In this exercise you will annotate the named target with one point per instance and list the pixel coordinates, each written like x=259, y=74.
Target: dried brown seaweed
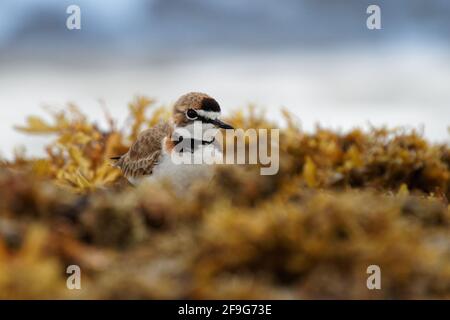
x=340, y=202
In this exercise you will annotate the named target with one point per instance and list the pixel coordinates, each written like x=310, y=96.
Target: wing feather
x=145, y=152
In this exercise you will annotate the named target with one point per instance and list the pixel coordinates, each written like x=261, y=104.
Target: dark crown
x=210, y=104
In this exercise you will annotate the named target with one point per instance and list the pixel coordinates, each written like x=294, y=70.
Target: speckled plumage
x=144, y=153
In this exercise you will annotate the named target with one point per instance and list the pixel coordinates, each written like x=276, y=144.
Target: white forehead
x=208, y=114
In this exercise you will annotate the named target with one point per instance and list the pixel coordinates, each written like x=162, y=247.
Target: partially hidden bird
x=181, y=150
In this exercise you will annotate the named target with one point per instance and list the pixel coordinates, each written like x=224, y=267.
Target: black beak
x=221, y=124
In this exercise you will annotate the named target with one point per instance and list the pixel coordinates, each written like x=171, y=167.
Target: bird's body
x=181, y=150
x=183, y=175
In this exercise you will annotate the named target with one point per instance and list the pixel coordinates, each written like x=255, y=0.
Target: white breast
x=183, y=175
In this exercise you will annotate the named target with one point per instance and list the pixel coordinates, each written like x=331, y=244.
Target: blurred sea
x=315, y=58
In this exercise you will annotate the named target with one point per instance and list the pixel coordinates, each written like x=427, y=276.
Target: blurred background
x=316, y=58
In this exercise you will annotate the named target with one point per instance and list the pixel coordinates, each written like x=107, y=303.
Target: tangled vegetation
x=340, y=202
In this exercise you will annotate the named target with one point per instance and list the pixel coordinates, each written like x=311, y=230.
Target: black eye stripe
x=191, y=114
x=203, y=119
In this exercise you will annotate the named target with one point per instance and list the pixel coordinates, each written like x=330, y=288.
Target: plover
x=190, y=134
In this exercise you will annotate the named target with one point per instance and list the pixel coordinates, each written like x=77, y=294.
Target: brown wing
x=144, y=153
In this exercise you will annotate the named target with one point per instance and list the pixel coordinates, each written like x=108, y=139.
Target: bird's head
x=198, y=108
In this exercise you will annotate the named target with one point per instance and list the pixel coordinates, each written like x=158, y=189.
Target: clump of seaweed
x=340, y=202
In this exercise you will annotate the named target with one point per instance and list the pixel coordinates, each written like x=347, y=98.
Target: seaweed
x=341, y=201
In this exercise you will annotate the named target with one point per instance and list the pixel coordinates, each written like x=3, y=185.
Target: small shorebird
x=153, y=154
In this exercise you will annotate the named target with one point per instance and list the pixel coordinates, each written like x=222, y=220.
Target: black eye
x=191, y=114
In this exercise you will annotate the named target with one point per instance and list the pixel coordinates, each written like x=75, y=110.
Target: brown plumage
x=192, y=100
x=144, y=153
